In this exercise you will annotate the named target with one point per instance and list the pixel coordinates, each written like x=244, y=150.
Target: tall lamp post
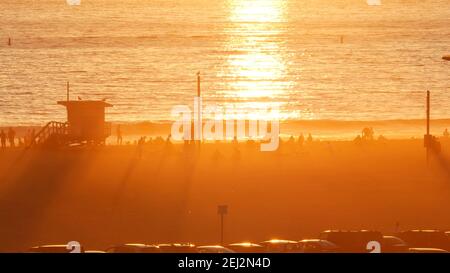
x=431, y=142
x=222, y=210
x=198, y=116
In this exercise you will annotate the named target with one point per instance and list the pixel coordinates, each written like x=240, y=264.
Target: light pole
x=198, y=109
x=428, y=137
x=222, y=210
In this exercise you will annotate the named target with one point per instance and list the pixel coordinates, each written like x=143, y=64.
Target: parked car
x=246, y=247
x=393, y=244
x=133, y=248
x=427, y=250
x=280, y=246
x=316, y=246
x=213, y=249
x=425, y=239
x=352, y=241
x=52, y=249
x=177, y=248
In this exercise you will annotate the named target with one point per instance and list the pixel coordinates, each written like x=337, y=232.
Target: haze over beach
x=87, y=147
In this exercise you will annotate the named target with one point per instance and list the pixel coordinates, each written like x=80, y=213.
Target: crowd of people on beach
x=367, y=136
x=9, y=138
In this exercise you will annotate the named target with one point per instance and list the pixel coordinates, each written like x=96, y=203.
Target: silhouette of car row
x=330, y=241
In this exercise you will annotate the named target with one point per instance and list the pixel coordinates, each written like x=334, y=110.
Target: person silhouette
x=140, y=146
x=301, y=140
x=291, y=140
x=119, y=135
x=381, y=138
x=168, y=144
x=367, y=133
x=371, y=133
x=11, y=137
x=446, y=133
x=310, y=138
x=235, y=143
x=3, y=139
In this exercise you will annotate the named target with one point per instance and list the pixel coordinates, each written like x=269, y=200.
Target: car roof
x=279, y=241
x=177, y=245
x=428, y=249
x=422, y=230
x=135, y=245
x=318, y=241
x=51, y=246
x=349, y=231
x=213, y=247
x=245, y=244
x=312, y=240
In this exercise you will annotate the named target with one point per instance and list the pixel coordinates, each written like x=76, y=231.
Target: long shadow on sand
x=30, y=185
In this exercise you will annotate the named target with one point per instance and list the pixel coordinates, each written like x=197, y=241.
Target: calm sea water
x=143, y=55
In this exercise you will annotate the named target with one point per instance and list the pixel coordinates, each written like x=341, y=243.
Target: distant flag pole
x=428, y=112
x=68, y=90
x=199, y=109
x=222, y=210
x=198, y=84
x=431, y=142
x=428, y=137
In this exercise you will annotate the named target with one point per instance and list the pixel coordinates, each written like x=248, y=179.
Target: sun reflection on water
x=258, y=67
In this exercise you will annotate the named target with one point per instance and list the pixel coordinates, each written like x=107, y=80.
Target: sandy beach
x=102, y=196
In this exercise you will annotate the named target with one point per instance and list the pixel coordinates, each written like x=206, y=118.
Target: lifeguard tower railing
x=56, y=132
x=51, y=129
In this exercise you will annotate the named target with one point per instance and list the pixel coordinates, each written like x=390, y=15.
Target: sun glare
x=257, y=11
x=258, y=68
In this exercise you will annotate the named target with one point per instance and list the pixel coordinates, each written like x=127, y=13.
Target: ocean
x=340, y=60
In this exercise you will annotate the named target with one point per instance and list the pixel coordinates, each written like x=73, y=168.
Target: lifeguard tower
x=85, y=125
x=86, y=121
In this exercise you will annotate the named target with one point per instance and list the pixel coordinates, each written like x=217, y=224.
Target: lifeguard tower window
x=86, y=121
